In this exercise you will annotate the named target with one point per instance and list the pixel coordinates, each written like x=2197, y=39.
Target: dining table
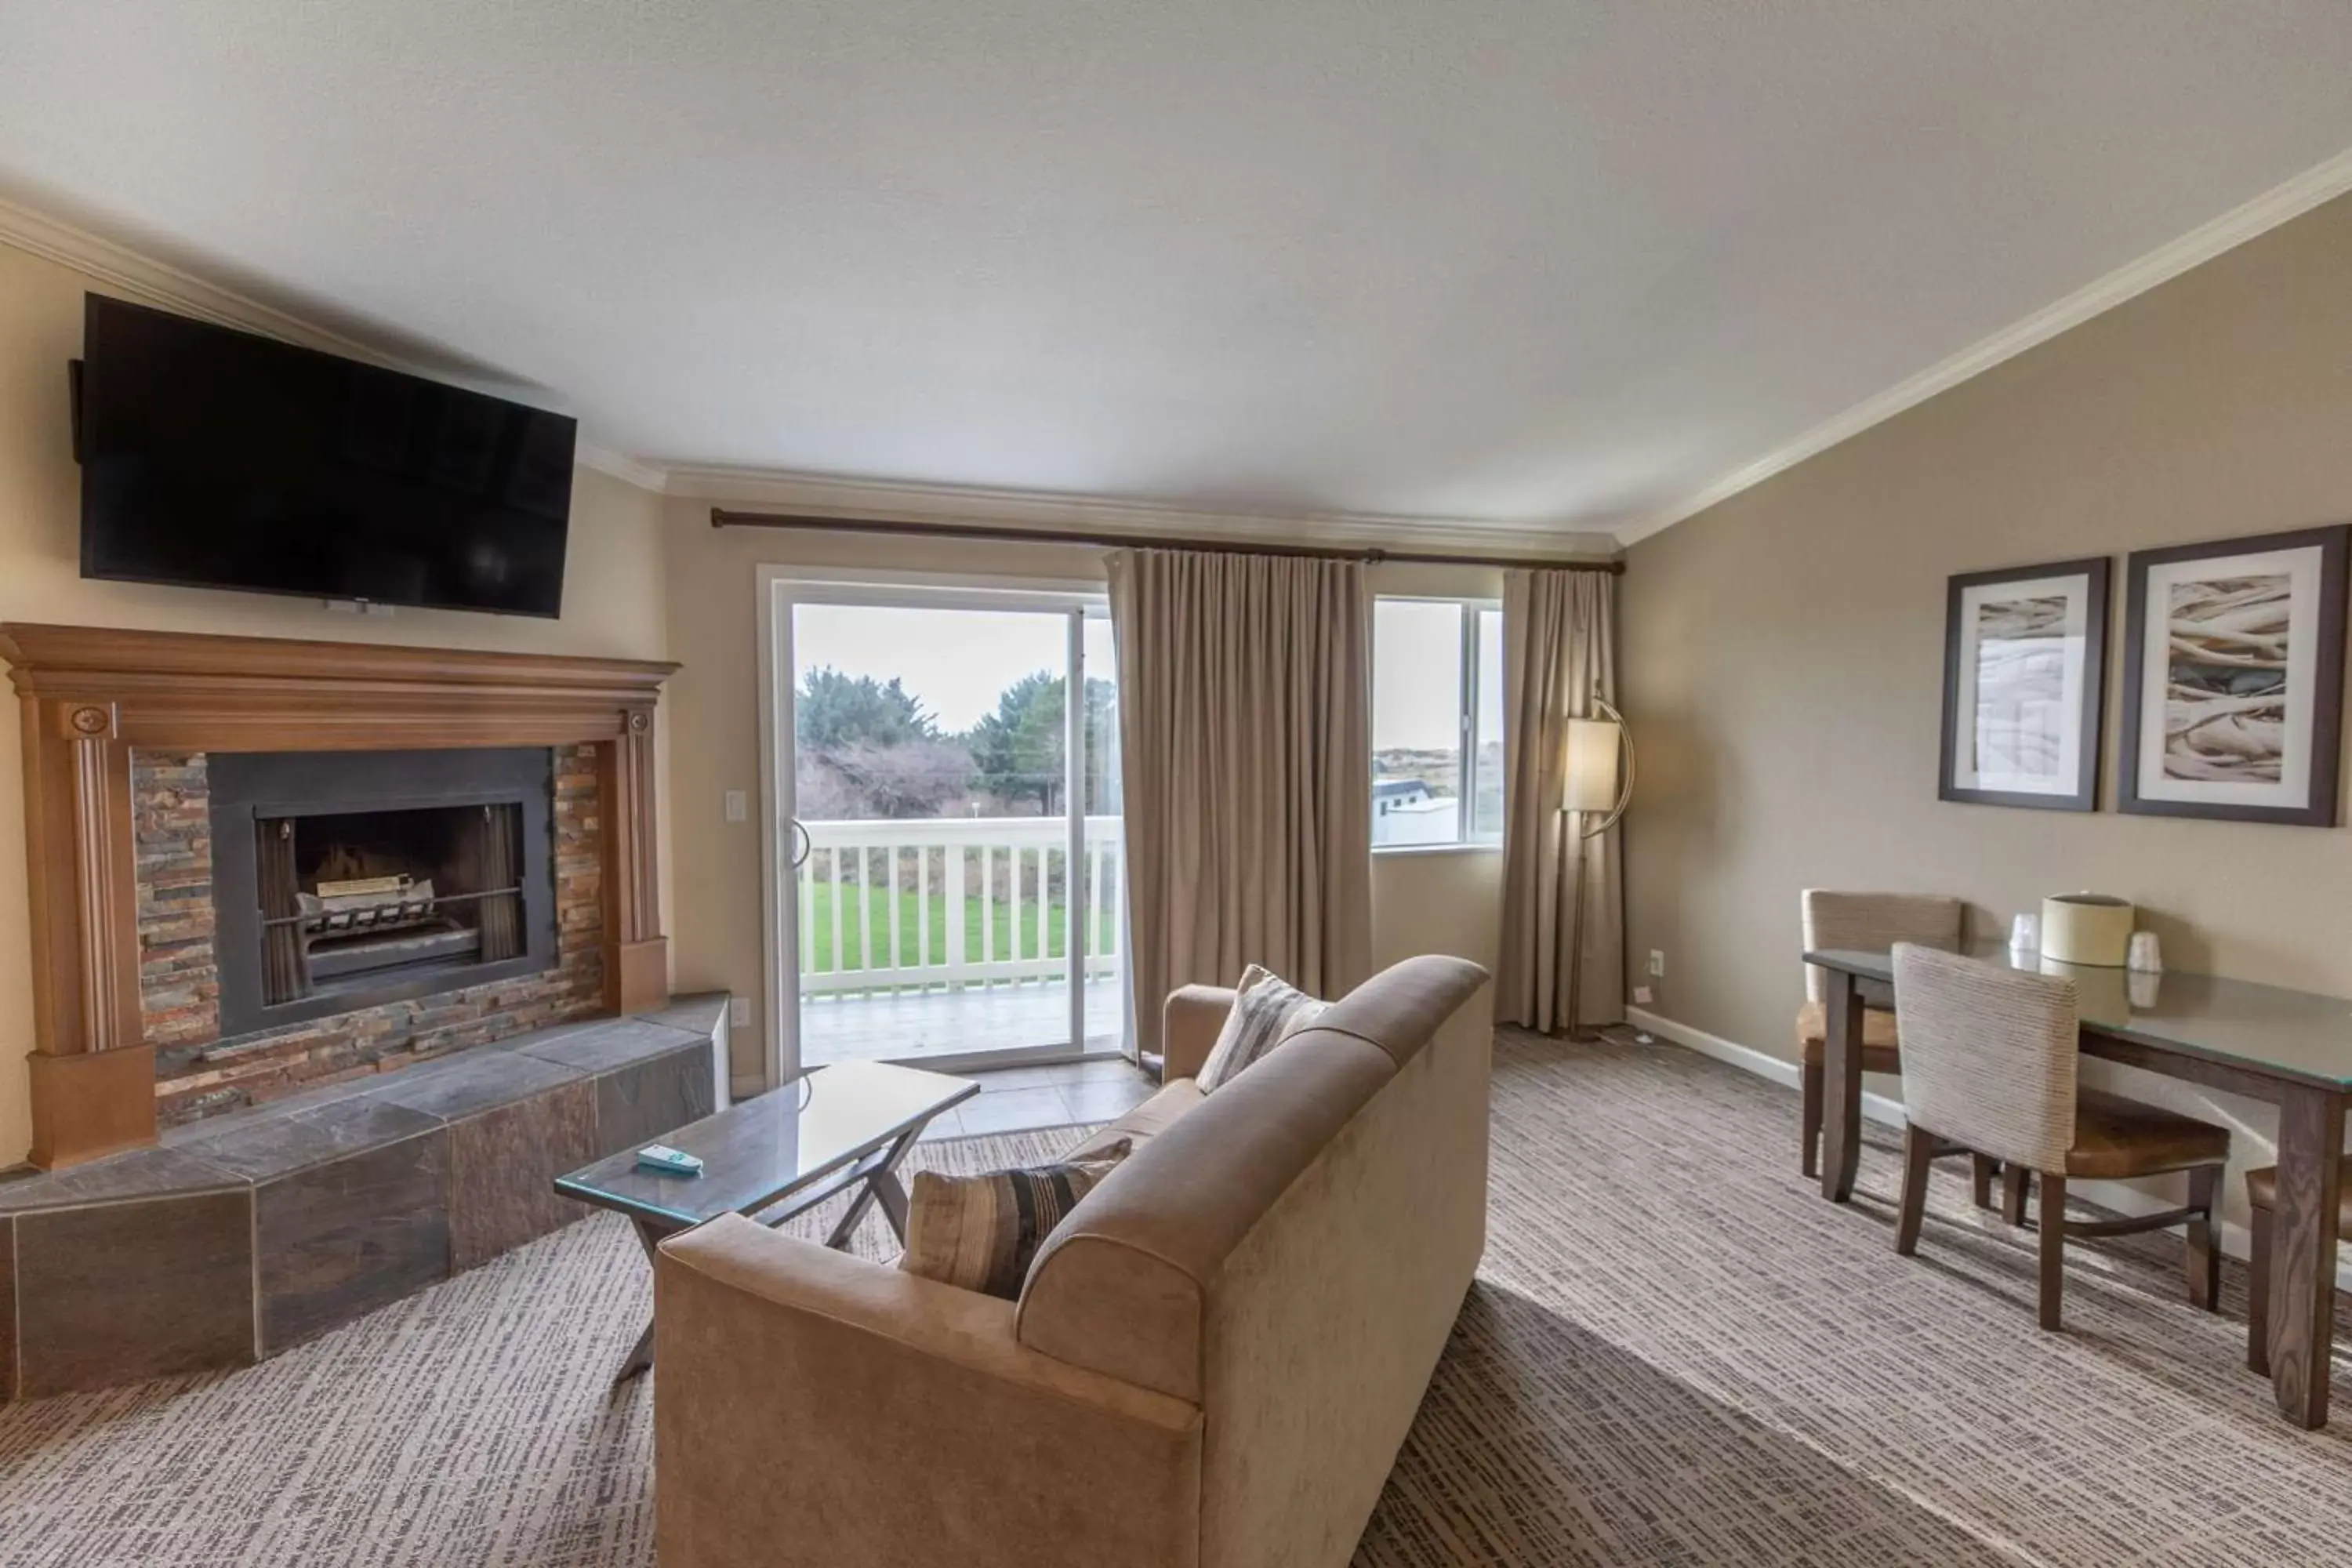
x=2291, y=1048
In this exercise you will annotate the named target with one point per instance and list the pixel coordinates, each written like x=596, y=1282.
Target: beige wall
x=1783, y=651
x=1445, y=902
x=611, y=594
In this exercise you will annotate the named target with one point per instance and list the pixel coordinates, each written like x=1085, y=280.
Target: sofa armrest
x=816, y=1408
x=1190, y=1022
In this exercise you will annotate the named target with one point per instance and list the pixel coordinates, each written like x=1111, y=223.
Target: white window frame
x=1464, y=841
x=779, y=589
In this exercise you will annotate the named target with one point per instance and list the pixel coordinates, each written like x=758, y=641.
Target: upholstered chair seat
x=2116, y=1139
x=1880, y=1050
x=2262, y=1191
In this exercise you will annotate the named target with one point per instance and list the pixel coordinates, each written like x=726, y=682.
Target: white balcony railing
x=888, y=906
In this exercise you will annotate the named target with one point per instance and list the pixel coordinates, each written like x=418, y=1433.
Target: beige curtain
x=1558, y=646
x=1245, y=753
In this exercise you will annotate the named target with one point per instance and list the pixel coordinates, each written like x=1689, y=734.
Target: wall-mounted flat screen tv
x=215, y=458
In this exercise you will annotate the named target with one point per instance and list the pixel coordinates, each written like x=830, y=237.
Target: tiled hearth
x=322, y=937
x=247, y=1233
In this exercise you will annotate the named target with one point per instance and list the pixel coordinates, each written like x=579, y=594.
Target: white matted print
x=2021, y=686
x=2237, y=655
x=2023, y=655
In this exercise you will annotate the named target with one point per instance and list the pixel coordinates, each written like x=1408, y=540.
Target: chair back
x=1875, y=923
x=1989, y=1055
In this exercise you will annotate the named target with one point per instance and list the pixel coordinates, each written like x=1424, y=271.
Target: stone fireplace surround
x=144, y=1252
x=198, y=961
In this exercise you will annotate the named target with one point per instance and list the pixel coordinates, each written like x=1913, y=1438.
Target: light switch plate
x=739, y=806
x=739, y=1013
x=1657, y=965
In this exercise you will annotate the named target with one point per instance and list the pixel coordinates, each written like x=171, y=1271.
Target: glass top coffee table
x=778, y=1157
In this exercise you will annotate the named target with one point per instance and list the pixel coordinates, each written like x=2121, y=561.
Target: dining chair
x=2261, y=1201
x=1989, y=1057
x=1867, y=922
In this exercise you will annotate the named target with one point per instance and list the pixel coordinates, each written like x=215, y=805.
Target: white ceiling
x=1530, y=262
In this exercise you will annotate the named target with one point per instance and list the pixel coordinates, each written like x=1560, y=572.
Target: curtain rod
x=720, y=517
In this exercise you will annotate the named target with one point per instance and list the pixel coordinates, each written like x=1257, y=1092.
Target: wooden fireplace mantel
x=89, y=695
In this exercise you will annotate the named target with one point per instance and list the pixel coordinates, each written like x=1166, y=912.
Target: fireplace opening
x=346, y=879
x=350, y=897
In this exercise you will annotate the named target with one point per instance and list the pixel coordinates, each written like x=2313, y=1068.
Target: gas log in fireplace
x=347, y=880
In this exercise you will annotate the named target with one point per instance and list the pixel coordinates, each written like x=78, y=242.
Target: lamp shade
x=1593, y=748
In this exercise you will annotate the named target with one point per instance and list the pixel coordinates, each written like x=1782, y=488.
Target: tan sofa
x=1212, y=1363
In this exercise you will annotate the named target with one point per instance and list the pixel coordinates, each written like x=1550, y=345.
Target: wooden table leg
x=2303, y=1252
x=1841, y=1070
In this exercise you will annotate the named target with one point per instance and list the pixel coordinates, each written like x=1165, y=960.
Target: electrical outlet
x=739, y=806
x=739, y=1013
x=1641, y=996
x=1657, y=965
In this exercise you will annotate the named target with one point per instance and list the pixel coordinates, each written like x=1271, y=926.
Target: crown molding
x=147, y=281
x=897, y=500
x=141, y=277
x=622, y=466
x=2280, y=204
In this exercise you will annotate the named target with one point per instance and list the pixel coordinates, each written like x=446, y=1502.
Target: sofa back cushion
x=1124, y=1286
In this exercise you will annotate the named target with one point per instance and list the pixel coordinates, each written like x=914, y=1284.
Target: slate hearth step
x=329, y=1203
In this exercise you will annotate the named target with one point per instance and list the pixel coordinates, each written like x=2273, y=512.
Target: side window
x=1437, y=723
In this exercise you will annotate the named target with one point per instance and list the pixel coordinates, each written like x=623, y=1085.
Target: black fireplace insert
x=347, y=880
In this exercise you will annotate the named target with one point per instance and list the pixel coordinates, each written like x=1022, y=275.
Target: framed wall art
x=2024, y=686
x=2233, y=688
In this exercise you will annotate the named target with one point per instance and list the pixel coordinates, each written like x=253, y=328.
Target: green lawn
x=877, y=940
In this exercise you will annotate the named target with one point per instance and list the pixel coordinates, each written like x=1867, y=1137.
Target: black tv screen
x=218, y=459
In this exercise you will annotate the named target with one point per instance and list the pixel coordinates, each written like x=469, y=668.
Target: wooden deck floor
x=954, y=1023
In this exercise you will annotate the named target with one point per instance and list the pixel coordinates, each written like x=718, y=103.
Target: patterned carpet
x=1676, y=1354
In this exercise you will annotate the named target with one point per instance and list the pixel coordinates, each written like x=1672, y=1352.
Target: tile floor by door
x=1020, y=1099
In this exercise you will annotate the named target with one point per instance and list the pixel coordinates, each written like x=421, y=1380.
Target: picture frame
x=2233, y=684
x=2025, y=652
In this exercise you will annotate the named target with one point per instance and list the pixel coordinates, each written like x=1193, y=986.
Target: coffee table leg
x=884, y=1186
x=839, y=1237
x=641, y=1358
x=892, y=1196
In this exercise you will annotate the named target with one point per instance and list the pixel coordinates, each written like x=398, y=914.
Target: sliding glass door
x=947, y=875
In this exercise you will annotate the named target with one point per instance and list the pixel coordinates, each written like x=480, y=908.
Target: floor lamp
x=1599, y=784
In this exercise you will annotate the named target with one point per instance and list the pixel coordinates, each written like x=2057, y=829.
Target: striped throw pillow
x=981, y=1232
x=1267, y=1010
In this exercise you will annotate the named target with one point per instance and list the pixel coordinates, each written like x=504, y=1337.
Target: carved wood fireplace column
x=88, y=696
x=637, y=953
x=93, y=1075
